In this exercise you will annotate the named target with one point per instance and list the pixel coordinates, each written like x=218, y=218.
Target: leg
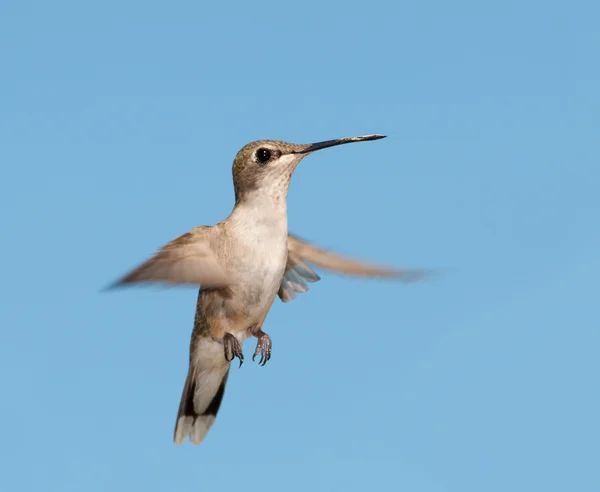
x=232, y=348
x=263, y=347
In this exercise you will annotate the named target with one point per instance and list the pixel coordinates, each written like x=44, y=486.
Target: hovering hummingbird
x=241, y=264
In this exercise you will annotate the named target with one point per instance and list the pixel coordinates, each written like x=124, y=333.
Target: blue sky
x=119, y=122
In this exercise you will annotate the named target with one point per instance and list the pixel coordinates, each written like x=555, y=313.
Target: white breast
x=260, y=234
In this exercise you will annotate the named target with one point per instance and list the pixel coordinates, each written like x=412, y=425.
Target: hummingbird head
x=265, y=167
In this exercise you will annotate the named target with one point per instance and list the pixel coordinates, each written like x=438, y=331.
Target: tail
x=200, y=402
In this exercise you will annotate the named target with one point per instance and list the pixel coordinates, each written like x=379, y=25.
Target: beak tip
x=374, y=136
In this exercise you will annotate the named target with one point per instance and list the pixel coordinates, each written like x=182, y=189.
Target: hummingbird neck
x=259, y=217
x=261, y=203
x=263, y=200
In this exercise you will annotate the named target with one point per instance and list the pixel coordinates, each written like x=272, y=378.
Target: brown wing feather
x=301, y=253
x=188, y=259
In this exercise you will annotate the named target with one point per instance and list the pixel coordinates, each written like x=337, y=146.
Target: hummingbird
x=241, y=265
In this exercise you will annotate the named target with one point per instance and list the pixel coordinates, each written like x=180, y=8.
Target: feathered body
x=242, y=264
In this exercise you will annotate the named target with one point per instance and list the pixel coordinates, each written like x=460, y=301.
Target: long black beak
x=339, y=141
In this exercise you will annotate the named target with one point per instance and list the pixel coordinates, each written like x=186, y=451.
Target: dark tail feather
x=194, y=419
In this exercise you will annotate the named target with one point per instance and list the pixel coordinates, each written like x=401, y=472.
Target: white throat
x=260, y=216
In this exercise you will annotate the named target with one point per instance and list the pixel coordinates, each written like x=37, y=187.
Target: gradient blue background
x=118, y=126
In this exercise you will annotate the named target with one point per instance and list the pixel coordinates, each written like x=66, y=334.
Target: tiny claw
x=263, y=347
x=232, y=349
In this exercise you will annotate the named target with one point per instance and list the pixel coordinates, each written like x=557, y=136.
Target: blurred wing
x=297, y=272
x=188, y=259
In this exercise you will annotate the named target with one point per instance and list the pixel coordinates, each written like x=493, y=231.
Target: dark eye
x=263, y=155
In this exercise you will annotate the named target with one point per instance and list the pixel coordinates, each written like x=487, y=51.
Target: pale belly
x=257, y=291
x=258, y=274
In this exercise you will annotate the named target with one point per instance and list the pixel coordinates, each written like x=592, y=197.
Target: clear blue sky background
x=119, y=122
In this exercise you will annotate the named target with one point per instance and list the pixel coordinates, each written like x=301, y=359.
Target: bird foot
x=263, y=347
x=232, y=348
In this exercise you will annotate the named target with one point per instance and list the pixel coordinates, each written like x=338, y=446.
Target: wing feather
x=188, y=259
x=301, y=253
